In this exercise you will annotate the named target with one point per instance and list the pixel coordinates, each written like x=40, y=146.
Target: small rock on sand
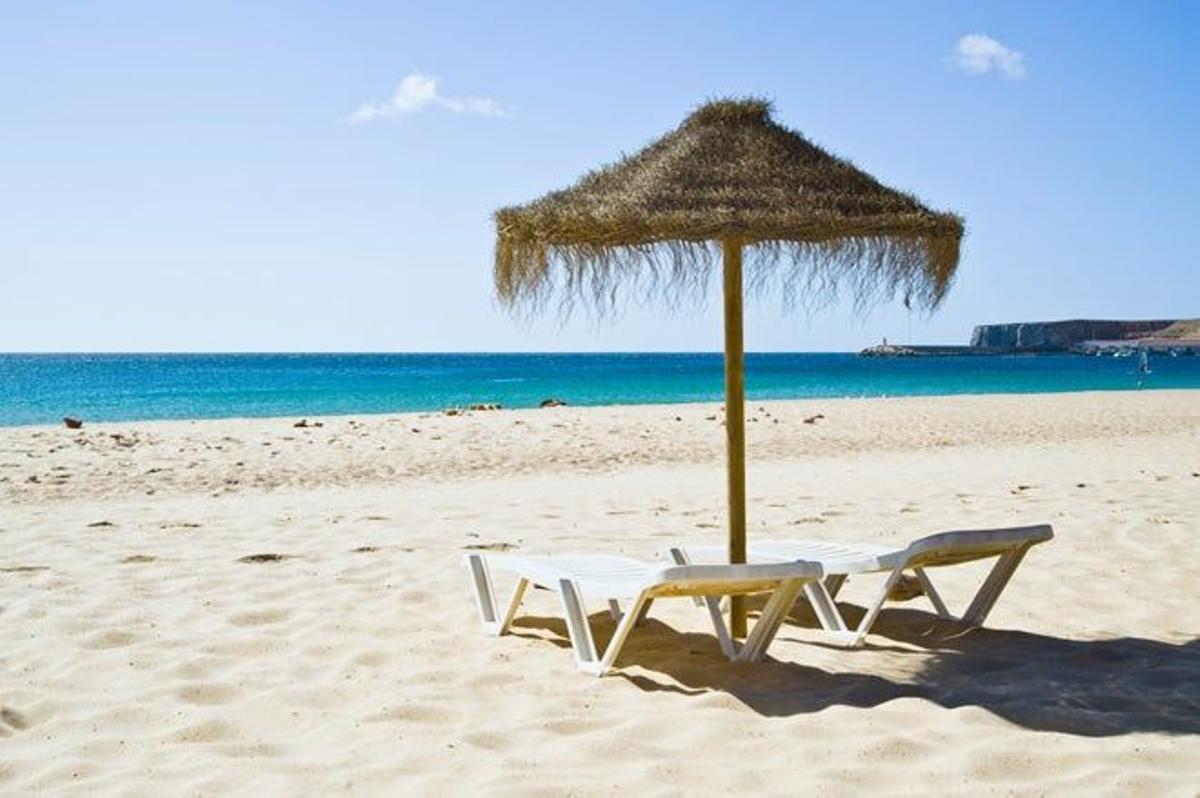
x=552, y=402
x=261, y=558
x=73, y=423
x=906, y=588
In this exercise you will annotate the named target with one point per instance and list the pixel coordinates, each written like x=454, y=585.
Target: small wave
x=509, y=379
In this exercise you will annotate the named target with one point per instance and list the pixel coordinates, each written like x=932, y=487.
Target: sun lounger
x=612, y=578
x=841, y=560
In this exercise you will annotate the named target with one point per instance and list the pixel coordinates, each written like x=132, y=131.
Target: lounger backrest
x=950, y=548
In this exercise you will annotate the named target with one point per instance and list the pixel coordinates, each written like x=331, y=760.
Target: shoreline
x=465, y=411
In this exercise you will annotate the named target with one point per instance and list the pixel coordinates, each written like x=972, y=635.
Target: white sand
x=138, y=654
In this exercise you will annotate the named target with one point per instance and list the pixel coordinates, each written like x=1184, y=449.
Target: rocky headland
x=1078, y=336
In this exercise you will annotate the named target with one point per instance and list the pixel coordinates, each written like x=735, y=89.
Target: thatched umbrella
x=729, y=180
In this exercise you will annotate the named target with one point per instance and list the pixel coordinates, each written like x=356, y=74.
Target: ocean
x=43, y=388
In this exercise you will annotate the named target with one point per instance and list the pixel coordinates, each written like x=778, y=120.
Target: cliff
x=1060, y=336
x=1080, y=336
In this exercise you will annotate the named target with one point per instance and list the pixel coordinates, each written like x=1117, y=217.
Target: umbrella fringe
x=676, y=274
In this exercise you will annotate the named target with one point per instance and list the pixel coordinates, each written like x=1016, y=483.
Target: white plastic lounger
x=612, y=578
x=840, y=560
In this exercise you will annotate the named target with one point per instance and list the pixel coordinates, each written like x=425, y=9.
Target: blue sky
x=179, y=176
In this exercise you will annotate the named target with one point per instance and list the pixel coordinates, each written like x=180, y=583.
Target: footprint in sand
x=209, y=731
x=134, y=559
x=499, y=546
x=100, y=524
x=258, y=617
x=412, y=713
x=808, y=519
x=250, y=750
x=489, y=741
x=493, y=679
x=371, y=659
x=567, y=727
x=200, y=668
x=113, y=638
x=13, y=719
x=207, y=694
x=24, y=569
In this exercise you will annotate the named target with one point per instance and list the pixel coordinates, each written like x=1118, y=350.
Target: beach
x=249, y=606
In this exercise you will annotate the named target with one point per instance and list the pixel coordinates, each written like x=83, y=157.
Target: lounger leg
x=679, y=557
x=855, y=639
x=485, y=596
x=578, y=628
x=715, y=612
x=935, y=598
x=833, y=584
x=641, y=618
x=583, y=643
x=716, y=605
x=776, y=609
x=614, y=609
x=514, y=603
x=628, y=621
x=993, y=586
x=824, y=607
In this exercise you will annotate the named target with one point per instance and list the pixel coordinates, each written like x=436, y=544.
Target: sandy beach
x=247, y=606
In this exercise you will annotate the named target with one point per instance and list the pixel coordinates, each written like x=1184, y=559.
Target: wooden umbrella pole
x=735, y=422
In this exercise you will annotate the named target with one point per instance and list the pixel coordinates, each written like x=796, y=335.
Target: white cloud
x=978, y=54
x=414, y=94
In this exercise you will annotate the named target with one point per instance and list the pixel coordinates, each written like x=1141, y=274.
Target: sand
x=245, y=606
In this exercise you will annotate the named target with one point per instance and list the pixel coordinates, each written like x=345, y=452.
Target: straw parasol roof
x=809, y=222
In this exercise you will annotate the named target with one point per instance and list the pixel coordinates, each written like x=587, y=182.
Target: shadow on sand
x=1085, y=687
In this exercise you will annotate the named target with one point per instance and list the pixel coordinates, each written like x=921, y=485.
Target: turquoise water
x=40, y=389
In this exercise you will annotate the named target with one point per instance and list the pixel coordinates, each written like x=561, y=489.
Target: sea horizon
x=44, y=388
